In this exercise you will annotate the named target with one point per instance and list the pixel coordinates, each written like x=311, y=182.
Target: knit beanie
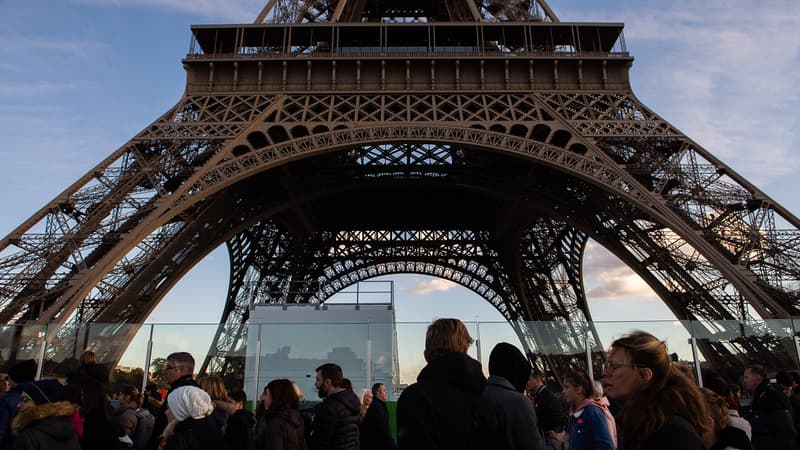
x=507, y=361
x=22, y=371
x=44, y=391
x=190, y=401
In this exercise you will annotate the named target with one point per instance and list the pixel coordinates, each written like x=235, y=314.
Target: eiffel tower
x=483, y=142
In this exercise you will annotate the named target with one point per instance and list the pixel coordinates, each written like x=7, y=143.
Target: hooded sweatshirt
x=445, y=408
x=46, y=426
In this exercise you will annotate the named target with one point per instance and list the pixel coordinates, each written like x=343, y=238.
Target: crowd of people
x=643, y=402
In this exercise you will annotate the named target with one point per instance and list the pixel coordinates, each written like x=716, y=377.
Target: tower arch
x=543, y=124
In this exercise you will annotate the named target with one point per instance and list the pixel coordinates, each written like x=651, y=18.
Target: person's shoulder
x=594, y=411
x=677, y=432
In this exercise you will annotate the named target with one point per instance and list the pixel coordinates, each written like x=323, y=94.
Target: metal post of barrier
x=478, y=340
x=589, y=367
x=41, y=353
x=148, y=355
x=256, y=368
x=369, y=363
x=693, y=341
x=796, y=340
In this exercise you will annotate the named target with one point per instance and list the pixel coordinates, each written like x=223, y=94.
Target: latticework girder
x=485, y=161
x=348, y=11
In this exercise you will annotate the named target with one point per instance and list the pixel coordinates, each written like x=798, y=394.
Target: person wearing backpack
x=125, y=415
x=134, y=422
x=145, y=422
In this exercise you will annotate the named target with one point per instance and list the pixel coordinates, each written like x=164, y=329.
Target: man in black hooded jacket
x=335, y=425
x=445, y=409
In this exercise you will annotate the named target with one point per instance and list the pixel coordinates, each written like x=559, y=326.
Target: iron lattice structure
x=480, y=142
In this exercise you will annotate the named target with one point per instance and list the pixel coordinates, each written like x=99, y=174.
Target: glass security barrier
x=20, y=342
x=392, y=353
x=295, y=350
x=65, y=345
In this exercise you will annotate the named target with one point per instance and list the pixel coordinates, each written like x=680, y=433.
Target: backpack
x=144, y=428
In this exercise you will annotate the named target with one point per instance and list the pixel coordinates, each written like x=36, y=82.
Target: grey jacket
x=515, y=415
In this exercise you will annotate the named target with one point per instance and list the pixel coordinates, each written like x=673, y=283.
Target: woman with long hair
x=282, y=426
x=663, y=407
x=223, y=406
x=722, y=436
x=590, y=424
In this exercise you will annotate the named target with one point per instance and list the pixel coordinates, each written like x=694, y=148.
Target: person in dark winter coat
x=445, y=409
x=99, y=430
x=180, y=367
x=19, y=374
x=336, y=419
x=376, y=434
x=549, y=413
x=194, y=426
x=508, y=374
x=241, y=424
x=281, y=426
x=770, y=416
x=44, y=421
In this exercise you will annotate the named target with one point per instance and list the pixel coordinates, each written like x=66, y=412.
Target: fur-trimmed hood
x=27, y=418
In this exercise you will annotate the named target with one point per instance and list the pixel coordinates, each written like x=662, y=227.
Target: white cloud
x=729, y=84
x=610, y=278
x=40, y=88
x=434, y=285
x=33, y=45
x=620, y=282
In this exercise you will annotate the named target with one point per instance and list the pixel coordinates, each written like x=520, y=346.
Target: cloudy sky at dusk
x=78, y=78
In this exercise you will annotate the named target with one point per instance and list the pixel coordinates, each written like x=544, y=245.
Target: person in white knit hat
x=192, y=426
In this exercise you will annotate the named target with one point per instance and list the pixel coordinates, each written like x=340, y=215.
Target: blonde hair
x=446, y=336
x=717, y=409
x=214, y=385
x=364, y=393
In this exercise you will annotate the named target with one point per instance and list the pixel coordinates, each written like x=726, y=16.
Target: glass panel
x=108, y=342
x=771, y=344
x=170, y=338
x=556, y=347
x=294, y=351
x=674, y=332
x=20, y=342
x=410, y=353
x=719, y=344
x=130, y=368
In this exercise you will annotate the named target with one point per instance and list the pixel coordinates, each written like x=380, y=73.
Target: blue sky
x=78, y=78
